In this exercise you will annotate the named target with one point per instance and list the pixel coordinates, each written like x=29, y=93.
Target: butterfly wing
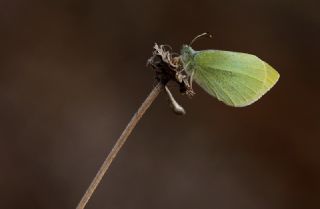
x=237, y=79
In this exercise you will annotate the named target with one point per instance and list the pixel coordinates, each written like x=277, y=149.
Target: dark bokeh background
x=72, y=73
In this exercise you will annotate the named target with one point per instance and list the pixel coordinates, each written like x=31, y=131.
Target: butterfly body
x=237, y=79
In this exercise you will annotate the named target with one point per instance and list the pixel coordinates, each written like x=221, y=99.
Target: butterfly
x=237, y=79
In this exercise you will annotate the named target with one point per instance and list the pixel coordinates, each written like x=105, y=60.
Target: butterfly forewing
x=272, y=77
x=237, y=79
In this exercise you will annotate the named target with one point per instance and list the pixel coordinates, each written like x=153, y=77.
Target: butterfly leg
x=191, y=79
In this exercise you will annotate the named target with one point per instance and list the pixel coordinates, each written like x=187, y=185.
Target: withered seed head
x=168, y=67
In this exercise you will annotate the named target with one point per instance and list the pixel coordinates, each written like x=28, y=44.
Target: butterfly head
x=187, y=54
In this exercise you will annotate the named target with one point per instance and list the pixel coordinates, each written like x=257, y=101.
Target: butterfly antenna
x=199, y=36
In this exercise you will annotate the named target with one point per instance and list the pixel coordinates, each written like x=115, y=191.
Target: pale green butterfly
x=237, y=79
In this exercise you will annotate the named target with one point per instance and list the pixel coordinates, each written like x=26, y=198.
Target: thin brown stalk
x=119, y=143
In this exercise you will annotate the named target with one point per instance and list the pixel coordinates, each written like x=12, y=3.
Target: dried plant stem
x=119, y=143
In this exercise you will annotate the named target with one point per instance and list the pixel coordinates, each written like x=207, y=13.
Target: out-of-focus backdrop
x=72, y=73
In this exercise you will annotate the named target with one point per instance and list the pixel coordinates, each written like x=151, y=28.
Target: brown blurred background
x=72, y=73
